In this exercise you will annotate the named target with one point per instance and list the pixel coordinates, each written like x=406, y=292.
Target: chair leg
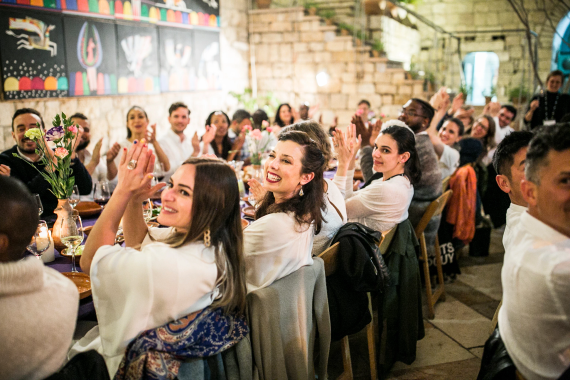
x=431, y=313
x=346, y=360
x=372, y=349
x=439, y=264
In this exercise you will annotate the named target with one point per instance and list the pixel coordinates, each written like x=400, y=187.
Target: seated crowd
x=200, y=265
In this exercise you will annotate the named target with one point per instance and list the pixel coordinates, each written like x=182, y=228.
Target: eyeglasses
x=481, y=125
x=410, y=113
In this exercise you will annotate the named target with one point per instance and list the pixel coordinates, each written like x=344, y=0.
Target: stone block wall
x=291, y=48
x=108, y=113
x=461, y=16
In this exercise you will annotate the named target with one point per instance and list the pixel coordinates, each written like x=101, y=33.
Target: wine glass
x=74, y=198
x=101, y=193
x=147, y=210
x=72, y=236
x=40, y=241
x=39, y=204
x=158, y=171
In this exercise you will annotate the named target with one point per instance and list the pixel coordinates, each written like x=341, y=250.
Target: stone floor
x=453, y=345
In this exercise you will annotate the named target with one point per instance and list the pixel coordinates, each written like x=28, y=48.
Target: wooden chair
x=434, y=209
x=445, y=184
x=387, y=237
x=330, y=258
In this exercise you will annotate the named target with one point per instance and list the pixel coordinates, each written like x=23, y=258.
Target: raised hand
x=313, y=110
x=534, y=104
x=375, y=131
x=96, y=156
x=238, y=143
x=151, y=135
x=135, y=172
x=5, y=170
x=361, y=129
x=113, y=152
x=210, y=134
x=457, y=102
x=256, y=189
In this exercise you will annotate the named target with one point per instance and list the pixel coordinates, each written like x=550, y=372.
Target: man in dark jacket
x=23, y=120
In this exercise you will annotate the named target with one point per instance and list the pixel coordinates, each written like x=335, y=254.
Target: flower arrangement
x=57, y=162
x=258, y=141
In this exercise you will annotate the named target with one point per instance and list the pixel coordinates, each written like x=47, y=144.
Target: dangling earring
x=207, y=238
x=301, y=192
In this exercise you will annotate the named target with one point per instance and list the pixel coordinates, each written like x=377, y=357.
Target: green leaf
x=63, y=115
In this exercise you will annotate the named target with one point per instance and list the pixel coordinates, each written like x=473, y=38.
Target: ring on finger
x=132, y=164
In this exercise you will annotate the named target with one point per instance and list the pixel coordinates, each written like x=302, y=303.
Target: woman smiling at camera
x=383, y=202
x=280, y=240
x=163, y=274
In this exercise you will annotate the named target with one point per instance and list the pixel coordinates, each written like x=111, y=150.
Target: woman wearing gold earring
x=163, y=274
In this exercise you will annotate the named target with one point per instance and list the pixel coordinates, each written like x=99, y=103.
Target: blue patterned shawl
x=158, y=353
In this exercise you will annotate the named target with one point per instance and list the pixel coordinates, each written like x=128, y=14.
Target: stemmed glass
x=40, y=241
x=147, y=210
x=72, y=236
x=101, y=193
x=39, y=204
x=74, y=198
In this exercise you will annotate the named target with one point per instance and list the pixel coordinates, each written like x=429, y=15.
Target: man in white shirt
x=175, y=143
x=503, y=117
x=509, y=163
x=535, y=317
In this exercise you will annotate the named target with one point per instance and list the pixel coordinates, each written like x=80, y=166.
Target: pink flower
x=61, y=152
x=246, y=128
x=72, y=129
x=265, y=124
x=269, y=129
x=359, y=112
x=382, y=115
x=256, y=134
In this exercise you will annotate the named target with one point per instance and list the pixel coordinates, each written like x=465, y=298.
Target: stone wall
x=291, y=48
x=462, y=16
x=108, y=113
x=401, y=42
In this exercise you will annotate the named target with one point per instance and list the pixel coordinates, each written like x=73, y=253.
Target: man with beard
x=23, y=120
x=92, y=160
x=175, y=143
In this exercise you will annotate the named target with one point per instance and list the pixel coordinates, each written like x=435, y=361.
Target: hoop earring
x=301, y=193
x=207, y=241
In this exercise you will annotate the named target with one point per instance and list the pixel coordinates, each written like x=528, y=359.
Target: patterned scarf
x=158, y=353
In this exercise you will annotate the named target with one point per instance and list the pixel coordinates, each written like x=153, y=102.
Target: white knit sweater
x=38, y=312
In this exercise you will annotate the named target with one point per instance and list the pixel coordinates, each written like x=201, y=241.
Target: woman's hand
x=256, y=189
x=136, y=181
x=210, y=134
x=151, y=135
x=346, y=146
x=113, y=152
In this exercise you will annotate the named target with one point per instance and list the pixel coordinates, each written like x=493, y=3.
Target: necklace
x=395, y=175
x=546, y=106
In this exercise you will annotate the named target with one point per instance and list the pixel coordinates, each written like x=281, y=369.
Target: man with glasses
x=417, y=115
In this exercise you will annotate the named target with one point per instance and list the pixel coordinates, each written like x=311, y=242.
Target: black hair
x=19, y=216
x=278, y=120
x=23, y=111
x=241, y=115
x=427, y=108
x=364, y=101
x=459, y=124
x=406, y=141
x=129, y=133
x=504, y=156
x=258, y=118
x=511, y=109
x=547, y=138
x=78, y=115
x=174, y=106
x=470, y=149
x=226, y=142
x=309, y=207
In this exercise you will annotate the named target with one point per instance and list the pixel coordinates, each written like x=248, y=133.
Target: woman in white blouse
x=137, y=129
x=384, y=202
x=281, y=239
x=163, y=274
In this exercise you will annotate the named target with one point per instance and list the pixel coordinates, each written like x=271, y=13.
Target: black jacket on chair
x=359, y=271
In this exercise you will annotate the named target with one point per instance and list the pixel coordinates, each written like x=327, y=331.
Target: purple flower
x=55, y=133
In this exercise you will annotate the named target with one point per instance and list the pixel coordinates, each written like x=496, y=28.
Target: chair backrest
x=435, y=208
x=387, y=239
x=445, y=184
x=330, y=258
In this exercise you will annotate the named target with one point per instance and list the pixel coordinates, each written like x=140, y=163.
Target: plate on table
x=249, y=211
x=78, y=252
x=244, y=223
x=88, y=209
x=82, y=281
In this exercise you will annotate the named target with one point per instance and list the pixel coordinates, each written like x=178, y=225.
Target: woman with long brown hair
x=281, y=239
x=163, y=274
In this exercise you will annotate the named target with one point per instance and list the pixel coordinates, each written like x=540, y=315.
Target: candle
x=48, y=256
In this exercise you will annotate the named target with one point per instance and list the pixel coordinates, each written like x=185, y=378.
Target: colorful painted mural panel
x=32, y=55
x=177, y=66
x=91, y=57
x=207, y=60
